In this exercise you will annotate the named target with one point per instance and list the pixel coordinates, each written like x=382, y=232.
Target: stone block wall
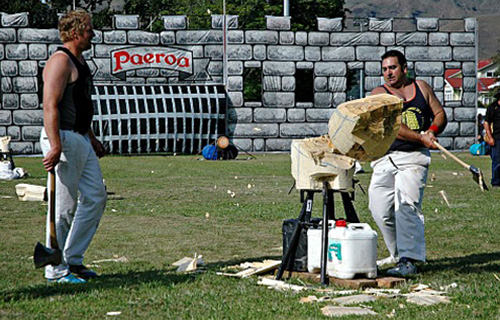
x=270, y=123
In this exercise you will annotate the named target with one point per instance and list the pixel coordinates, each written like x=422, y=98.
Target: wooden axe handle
x=451, y=155
x=52, y=210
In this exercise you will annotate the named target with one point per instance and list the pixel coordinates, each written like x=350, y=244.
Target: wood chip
x=360, y=298
x=187, y=267
x=188, y=259
x=187, y=264
x=418, y=287
x=120, y=259
x=427, y=300
x=226, y=274
x=430, y=291
x=450, y=286
x=337, y=292
x=246, y=273
x=308, y=299
x=280, y=285
x=443, y=194
x=381, y=291
x=252, y=268
x=332, y=311
x=268, y=266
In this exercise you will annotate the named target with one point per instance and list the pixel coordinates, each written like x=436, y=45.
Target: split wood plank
x=270, y=265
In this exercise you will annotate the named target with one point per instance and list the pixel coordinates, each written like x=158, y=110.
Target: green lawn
x=162, y=218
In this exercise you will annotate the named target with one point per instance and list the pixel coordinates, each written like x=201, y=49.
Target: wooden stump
x=313, y=162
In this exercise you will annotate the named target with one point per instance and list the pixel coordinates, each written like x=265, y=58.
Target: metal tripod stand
x=304, y=221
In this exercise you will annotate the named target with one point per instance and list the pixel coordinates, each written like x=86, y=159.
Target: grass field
x=162, y=217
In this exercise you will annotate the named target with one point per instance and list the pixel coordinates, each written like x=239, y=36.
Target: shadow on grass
x=127, y=280
x=474, y=263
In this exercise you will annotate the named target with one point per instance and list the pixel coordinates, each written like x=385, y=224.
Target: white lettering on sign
x=151, y=57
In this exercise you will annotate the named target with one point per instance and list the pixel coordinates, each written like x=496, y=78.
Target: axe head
x=44, y=256
x=477, y=175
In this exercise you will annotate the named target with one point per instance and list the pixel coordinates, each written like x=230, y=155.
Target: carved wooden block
x=313, y=162
x=364, y=129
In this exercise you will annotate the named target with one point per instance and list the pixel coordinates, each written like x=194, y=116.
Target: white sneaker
x=405, y=268
x=70, y=278
x=389, y=260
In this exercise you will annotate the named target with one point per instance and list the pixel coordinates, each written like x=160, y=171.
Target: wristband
x=434, y=128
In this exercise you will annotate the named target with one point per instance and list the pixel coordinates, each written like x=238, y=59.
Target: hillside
x=487, y=12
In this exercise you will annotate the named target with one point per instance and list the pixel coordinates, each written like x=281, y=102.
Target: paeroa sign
x=128, y=59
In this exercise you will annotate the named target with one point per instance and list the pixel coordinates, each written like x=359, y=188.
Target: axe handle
x=52, y=210
x=451, y=155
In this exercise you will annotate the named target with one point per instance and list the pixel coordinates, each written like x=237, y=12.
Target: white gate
x=158, y=118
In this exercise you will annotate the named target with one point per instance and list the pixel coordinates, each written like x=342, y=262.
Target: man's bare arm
x=488, y=134
x=99, y=149
x=55, y=78
x=440, y=120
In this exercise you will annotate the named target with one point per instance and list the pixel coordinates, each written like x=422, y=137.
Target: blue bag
x=479, y=149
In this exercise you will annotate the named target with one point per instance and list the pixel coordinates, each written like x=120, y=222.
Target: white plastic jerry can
x=314, y=247
x=352, y=250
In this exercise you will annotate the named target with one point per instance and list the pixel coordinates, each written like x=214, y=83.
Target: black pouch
x=299, y=260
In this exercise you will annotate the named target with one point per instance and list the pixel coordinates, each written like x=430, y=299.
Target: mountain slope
x=487, y=12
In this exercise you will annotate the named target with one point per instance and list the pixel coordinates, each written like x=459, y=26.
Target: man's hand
x=427, y=139
x=52, y=158
x=99, y=149
x=490, y=140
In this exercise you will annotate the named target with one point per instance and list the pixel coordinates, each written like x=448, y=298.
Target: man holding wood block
x=399, y=177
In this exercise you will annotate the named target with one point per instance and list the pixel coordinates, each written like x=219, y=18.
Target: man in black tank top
x=71, y=149
x=492, y=137
x=398, y=180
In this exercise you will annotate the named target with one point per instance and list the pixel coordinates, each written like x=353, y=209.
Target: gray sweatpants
x=395, y=201
x=76, y=218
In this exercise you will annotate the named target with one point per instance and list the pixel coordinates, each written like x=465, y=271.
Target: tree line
x=251, y=12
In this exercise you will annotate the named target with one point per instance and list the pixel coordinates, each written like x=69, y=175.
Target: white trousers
x=395, y=201
x=76, y=218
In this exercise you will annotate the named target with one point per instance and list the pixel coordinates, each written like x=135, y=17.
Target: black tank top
x=417, y=115
x=76, y=106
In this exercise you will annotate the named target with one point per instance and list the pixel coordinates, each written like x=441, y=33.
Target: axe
x=44, y=256
x=477, y=174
